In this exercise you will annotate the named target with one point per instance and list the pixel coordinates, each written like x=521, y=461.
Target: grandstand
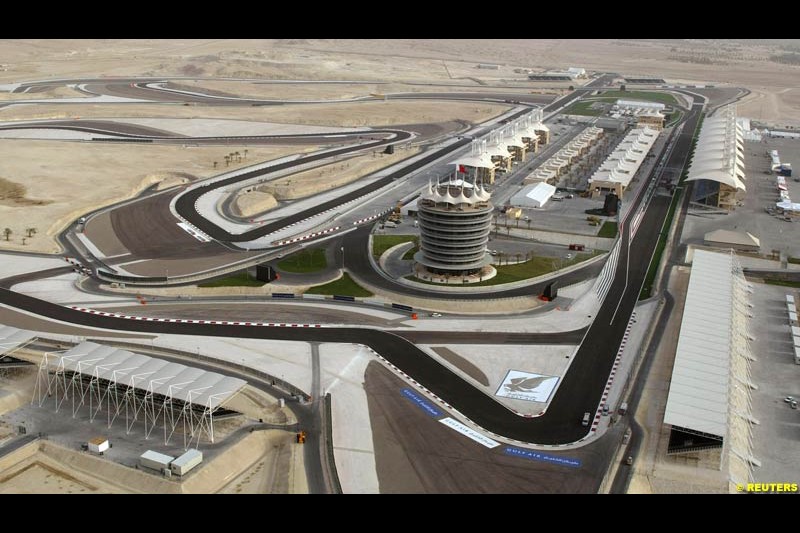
x=159, y=393
x=709, y=403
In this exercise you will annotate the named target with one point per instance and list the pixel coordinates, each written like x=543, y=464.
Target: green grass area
x=239, y=279
x=676, y=117
x=647, y=288
x=650, y=96
x=409, y=255
x=608, y=229
x=782, y=283
x=529, y=269
x=381, y=243
x=304, y=261
x=795, y=284
x=584, y=107
x=344, y=286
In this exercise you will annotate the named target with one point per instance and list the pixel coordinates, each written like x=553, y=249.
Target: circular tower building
x=455, y=220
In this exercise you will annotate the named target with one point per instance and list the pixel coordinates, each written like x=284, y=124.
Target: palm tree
x=518, y=256
x=245, y=153
x=238, y=156
x=227, y=160
x=499, y=258
x=23, y=241
x=7, y=232
x=30, y=231
x=215, y=164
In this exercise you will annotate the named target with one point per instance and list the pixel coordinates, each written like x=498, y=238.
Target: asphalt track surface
x=490, y=337
x=356, y=260
x=148, y=230
x=580, y=390
x=185, y=205
x=126, y=130
x=135, y=132
x=137, y=88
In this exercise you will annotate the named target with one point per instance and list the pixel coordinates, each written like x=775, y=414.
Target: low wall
x=565, y=239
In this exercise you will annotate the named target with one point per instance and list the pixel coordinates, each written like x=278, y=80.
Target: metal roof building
x=621, y=165
x=708, y=405
x=145, y=388
x=718, y=161
x=12, y=338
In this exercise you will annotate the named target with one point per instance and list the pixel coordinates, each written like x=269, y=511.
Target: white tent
x=533, y=195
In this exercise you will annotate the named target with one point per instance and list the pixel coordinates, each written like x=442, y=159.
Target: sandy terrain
x=739, y=62
x=77, y=177
x=332, y=91
x=252, y=202
x=381, y=113
x=257, y=404
x=261, y=462
x=41, y=475
x=273, y=471
x=328, y=177
x=50, y=92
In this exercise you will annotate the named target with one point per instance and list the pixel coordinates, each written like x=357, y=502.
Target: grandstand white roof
x=698, y=392
x=11, y=338
x=498, y=149
x=720, y=177
x=718, y=155
x=455, y=192
x=483, y=160
x=174, y=380
x=621, y=165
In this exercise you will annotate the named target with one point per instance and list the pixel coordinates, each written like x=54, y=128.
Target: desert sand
x=250, y=202
x=376, y=113
x=331, y=176
x=75, y=177
x=63, y=180
x=739, y=62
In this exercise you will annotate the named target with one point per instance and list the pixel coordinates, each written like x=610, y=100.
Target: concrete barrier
x=306, y=296
x=565, y=239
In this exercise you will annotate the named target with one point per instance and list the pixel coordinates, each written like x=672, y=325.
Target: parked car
x=436, y=315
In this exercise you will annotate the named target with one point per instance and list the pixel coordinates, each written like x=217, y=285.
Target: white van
x=586, y=417
x=390, y=224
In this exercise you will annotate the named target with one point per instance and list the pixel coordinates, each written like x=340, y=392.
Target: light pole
x=342, y=248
